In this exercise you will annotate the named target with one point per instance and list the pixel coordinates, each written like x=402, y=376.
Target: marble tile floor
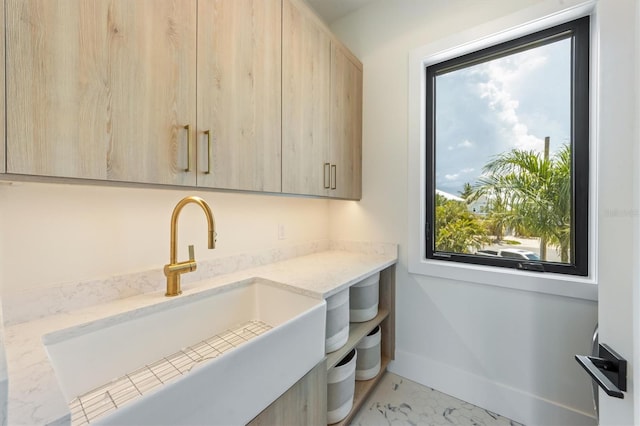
x=400, y=402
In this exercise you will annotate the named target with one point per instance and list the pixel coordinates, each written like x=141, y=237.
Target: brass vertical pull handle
x=208, y=133
x=192, y=254
x=326, y=177
x=334, y=176
x=188, y=129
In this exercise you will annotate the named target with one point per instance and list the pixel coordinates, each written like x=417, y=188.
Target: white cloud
x=492, y=109
x=503, y=76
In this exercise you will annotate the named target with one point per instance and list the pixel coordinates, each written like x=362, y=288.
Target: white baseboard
x=513, y=403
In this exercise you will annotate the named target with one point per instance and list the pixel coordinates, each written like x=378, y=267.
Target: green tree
x=536, y=192
x=497, y=216
x=467, y=192
x=456, y=229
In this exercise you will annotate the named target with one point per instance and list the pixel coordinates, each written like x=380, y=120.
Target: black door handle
x=609, y=370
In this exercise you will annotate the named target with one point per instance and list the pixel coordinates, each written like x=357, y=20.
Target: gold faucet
x=173, y=270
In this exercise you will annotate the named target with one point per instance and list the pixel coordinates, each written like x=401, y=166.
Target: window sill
x=546, y=283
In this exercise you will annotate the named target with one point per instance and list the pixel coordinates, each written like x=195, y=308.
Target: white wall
x=59, y=233
x=507, y=350
x=618, y=213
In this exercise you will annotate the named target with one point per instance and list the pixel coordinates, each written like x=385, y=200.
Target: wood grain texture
x=101, y=89
x=306, y=79
x=387, y=300
x=363, y=389
x=305, y=403
x=239, y=93
x=346, y=123
x=357, y=331
x=3, y=140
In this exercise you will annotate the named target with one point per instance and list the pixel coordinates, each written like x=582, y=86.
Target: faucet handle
x=192, y=255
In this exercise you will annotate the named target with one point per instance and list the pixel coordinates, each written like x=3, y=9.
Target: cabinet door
x=2, y=98
x=101, y=89
x=239, y=94
x=346, y=124
x=306, y=78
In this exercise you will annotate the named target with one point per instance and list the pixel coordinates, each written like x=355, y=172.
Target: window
x=507, y=146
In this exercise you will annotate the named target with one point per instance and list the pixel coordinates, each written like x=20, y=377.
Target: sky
x=496, y=106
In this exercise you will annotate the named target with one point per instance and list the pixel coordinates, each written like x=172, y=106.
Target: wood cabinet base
x=305, y=403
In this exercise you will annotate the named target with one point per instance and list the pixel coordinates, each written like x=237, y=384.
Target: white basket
x=368, y=364
x=337, y=325
x=341, y=386
x=363, y=299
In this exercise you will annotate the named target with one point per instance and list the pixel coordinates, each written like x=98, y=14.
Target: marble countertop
x=34, y=394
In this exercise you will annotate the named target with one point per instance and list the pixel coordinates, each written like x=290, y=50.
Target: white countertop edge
x=358, y=279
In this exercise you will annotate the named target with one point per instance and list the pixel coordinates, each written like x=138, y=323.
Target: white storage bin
x=368, y=363
x=341, y=385
x=363, y=299
x=337, y=326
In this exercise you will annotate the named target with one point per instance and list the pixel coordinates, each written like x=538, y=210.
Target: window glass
x=507, y=139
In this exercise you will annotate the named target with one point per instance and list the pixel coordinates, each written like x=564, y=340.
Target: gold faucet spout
x=174, y=268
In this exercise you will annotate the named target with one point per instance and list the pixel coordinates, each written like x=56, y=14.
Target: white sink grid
x=98, y=402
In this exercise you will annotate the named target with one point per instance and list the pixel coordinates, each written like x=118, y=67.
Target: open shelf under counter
x=364, y=388
x=357, y=330
x=306, y=401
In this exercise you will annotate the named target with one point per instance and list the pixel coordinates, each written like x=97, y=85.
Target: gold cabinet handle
x=334, y=176
x=208, y=133
x=326, y=176
x=188, y=129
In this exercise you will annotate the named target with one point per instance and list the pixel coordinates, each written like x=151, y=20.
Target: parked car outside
x=510, y=253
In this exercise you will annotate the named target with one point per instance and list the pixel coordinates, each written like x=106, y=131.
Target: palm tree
x=467, y=192
x=497, y=215
x=457, y=230
x=537, y=193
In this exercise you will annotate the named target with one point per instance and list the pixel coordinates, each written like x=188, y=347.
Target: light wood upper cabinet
x=322, y=109
x=2, y=97
x=101, y=89
x=239, y=94
x=346, y=124
x=236, y=94
x=306, y=85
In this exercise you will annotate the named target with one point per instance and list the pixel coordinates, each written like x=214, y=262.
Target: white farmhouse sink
x=201, y=385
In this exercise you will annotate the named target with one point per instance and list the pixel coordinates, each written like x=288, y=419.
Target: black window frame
x=579, y=32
